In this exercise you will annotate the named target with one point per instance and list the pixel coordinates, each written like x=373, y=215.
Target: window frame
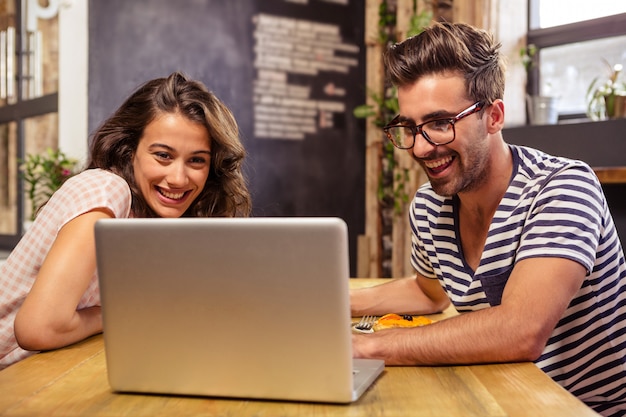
x=18, y=112
x=603, y=27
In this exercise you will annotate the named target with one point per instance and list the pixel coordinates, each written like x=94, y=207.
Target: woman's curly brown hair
x=114, y=144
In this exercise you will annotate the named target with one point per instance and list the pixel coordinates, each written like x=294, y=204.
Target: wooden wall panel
x=370, y=267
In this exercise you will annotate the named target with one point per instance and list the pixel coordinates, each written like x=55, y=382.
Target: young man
x=521, y=242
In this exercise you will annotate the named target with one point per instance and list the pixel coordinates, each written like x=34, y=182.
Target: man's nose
x=421, y=147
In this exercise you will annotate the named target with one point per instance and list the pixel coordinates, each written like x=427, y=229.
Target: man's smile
x=439, y=165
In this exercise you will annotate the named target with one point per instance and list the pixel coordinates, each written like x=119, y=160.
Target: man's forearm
x=402, y=296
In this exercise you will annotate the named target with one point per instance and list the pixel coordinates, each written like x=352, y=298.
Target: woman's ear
x=495, y=116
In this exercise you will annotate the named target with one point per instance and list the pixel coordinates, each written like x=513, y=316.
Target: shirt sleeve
x=87, y=191
x=567, y=218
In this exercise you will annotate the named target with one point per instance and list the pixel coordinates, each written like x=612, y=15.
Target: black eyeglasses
x=437, y=132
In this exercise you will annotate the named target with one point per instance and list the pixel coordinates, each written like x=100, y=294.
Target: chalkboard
x=306, y=150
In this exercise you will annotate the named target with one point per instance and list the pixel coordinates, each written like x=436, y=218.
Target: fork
x=366, y=323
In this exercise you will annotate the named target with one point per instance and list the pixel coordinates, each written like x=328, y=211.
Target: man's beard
x=472, y=175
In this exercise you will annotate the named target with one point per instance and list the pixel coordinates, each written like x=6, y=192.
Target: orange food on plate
x=392, y=320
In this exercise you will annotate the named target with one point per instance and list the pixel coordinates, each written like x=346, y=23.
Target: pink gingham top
x=94, y=188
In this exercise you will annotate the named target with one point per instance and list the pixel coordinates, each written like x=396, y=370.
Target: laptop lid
x=229, y=307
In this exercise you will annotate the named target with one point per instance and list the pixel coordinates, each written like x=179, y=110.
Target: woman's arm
x=49, y=318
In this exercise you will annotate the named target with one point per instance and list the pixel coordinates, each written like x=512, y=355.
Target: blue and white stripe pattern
x=553, y=207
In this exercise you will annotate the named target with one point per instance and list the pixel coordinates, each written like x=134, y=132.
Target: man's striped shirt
x=553, y=207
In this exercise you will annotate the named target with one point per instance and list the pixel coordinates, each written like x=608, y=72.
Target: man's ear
x=495, y=116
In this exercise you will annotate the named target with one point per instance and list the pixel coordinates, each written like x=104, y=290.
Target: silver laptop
x=246, y=308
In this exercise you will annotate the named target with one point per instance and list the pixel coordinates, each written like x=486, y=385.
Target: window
x=577, y=42
x=552, y=13
x=28, y=100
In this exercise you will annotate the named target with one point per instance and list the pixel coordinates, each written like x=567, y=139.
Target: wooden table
x=72, y=382
x=611, y=175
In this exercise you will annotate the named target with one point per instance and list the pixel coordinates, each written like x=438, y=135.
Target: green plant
x=601, y=96
x=392, y=183
x=44, y=174
x=528, y=55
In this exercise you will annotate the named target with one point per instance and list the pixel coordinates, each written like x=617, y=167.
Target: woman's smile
x=172, y=195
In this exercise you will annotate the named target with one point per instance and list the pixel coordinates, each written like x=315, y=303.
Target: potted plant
x=607, y=99
x=44, y=174
x=541, y=107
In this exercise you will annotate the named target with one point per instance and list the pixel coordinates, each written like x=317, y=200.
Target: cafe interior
x=310, y=113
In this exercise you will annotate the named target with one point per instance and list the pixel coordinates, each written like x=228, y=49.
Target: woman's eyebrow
x=171, y=149
x=160, y=145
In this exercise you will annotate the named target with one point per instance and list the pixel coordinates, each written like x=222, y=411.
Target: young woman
x=171, y=150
